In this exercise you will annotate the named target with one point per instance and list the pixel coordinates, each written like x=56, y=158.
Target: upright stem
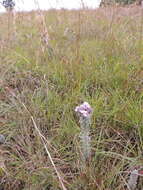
x=85, y=138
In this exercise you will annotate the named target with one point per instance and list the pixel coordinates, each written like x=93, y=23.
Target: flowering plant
x=85, y=111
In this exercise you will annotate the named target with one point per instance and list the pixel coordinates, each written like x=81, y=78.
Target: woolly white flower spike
x=132, y=183
x=84, y=111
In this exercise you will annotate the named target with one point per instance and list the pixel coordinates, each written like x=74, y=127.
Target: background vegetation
x=120, y=2
x=51, y=62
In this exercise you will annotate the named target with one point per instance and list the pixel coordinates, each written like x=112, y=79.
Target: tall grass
x=98, y=60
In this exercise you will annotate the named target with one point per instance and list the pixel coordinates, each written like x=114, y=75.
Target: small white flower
x=132, y=183
x=84, y=109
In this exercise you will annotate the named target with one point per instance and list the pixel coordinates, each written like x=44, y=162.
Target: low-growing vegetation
x=52, y=61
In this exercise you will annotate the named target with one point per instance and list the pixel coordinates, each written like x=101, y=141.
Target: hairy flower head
x=84, y=110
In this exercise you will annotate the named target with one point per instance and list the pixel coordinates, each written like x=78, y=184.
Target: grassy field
x=50, y=62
